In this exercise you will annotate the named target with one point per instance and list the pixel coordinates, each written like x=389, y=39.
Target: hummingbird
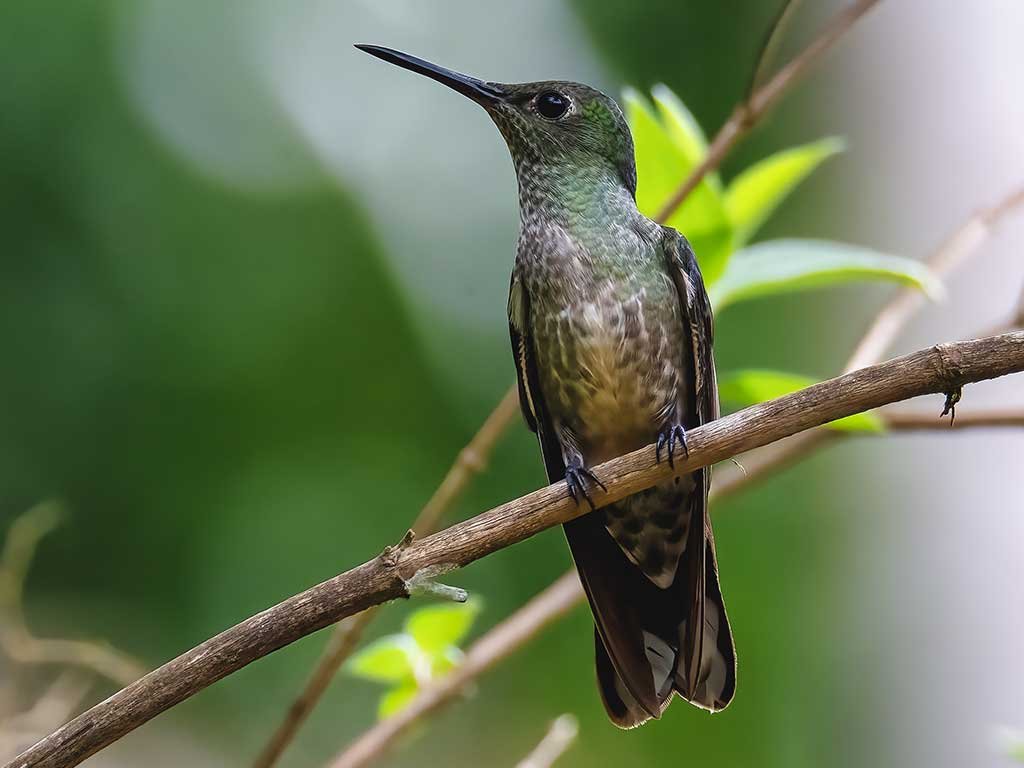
x=612, y=332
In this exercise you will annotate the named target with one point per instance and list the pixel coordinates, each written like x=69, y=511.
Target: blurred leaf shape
x=784, y=266
x=396, y=699
x=390, y=659
x=756, y=192
x=752, y=385
x=426, y=650
x=669, y=145
x=437, y=627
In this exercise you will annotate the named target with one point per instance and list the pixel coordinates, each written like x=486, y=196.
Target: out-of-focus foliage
x=782, y=266
x=427, y=648
x=758, y=190
x=750, y=386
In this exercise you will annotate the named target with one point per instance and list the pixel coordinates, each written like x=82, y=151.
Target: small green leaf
x=390, y=659
x=782, y=266
x=757, y=192
x=396, y=699
x=436, y=627
x=752, y=386
x=682, y=126
x=668, y=147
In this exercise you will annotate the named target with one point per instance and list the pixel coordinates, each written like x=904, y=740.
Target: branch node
x=472, y=460
x=392, y=554
x=422, y=583
x=949, y=365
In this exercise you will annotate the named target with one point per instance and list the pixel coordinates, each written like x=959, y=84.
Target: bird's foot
x=576, y=478
x=671, y=435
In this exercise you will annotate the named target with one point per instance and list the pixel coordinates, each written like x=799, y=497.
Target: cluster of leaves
x=721, y=219
x=425, y=649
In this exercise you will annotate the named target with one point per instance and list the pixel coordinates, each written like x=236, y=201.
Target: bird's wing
x=531, y=399
x=708, y=676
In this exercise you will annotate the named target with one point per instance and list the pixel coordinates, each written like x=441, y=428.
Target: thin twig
x=939, y=369
x=556, y=742
x=493, y=647
x=994, y=418
x=16, y=640
x=346, y=636
x=953, y=252
x=772, y=40
x=752, y=109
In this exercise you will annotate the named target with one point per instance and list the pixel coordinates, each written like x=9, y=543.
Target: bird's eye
x=552, y=105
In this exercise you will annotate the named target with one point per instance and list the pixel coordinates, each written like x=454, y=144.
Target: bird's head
x=547, y=125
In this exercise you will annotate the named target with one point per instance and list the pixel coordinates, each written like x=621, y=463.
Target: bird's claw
x=669, y=437
x=576, y=478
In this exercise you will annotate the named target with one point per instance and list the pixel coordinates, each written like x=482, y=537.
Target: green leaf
x=751, y=386
x=387, y=660
x=669, y=145
x=436, y=627
x=782, y=266
x=682, y=127
x=396, y=699
x=757, y=192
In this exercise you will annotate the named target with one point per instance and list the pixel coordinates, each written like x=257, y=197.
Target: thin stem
x=770, y=45
x=560, y=736
x=994, y=418
x=16, y=640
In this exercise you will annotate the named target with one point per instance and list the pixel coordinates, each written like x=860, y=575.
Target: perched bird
x=611, y=331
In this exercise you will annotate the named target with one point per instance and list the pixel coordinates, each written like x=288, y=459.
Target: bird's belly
x=608, y=373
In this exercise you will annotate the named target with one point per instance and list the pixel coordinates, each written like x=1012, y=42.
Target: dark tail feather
x=716, y=682
x=644, y=651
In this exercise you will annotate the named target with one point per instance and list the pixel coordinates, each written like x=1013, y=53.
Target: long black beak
x=482, y=93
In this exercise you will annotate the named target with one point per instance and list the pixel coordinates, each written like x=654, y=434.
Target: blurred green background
x=253, y=304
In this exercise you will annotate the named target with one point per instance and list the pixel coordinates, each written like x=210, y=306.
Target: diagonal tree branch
x=942, y=368
x=556, y=741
